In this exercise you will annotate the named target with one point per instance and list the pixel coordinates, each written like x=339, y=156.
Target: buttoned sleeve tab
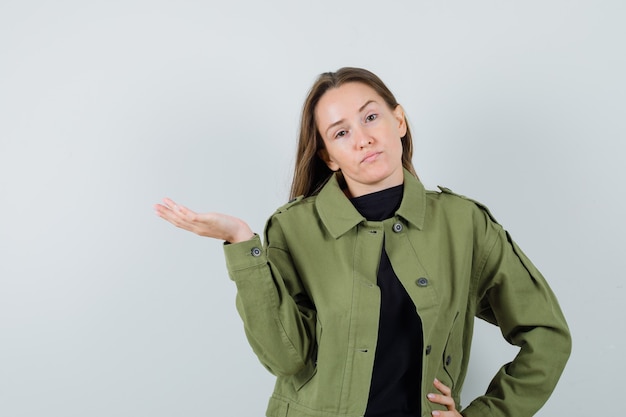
x=422, y=282
x=243, y=255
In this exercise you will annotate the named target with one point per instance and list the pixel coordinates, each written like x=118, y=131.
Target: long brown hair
x=311, y=172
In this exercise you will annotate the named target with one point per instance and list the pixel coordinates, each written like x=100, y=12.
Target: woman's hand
x=445, y=399
x=215, y=225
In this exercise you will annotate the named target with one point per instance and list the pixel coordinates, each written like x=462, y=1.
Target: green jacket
x=310, y=304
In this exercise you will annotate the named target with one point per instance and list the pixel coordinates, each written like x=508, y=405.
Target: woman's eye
x=341, y=134
x=371, y=117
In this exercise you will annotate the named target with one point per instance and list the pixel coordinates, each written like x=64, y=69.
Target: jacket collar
x=339, y=215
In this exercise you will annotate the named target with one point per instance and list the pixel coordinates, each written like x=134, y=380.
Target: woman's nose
x=362, y=138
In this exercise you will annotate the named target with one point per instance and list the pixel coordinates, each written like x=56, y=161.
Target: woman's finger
x=442, y=399
x=169, y=203
x=177, y=215
x=445, y=390
x=445, y=399
x=438, y=413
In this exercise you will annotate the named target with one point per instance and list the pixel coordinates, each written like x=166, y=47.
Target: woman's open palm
x=214, y=225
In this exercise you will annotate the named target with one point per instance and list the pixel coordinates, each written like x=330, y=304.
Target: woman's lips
x=370, y=157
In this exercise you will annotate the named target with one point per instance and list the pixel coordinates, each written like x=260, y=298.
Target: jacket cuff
x=244, y=255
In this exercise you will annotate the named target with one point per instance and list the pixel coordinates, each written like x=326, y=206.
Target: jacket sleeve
x=278, y=316
x=513, y=295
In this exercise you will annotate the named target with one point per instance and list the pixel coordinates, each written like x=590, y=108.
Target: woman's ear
x=398, y=114
x=324, y=156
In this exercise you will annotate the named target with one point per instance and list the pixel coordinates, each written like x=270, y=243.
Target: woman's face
x=362, y=137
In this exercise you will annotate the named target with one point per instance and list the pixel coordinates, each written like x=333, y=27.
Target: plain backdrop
x=108, y=106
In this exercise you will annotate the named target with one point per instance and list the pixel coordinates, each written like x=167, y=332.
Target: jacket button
x=397, y=227
x=422, y=282
x=428, y=349
x=448, y=360
x=255, y=252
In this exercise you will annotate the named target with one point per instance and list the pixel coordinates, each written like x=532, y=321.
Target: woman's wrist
x=242, y=234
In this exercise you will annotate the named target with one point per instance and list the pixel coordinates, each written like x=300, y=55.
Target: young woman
x=362, y=299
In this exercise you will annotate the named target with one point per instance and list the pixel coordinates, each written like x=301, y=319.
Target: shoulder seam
x=293, y=202
x=480, y=205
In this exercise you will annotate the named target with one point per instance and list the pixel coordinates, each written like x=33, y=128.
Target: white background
x=108, y=106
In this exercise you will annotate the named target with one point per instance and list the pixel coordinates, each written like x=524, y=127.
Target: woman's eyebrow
x=338, y=122
x=366, y=104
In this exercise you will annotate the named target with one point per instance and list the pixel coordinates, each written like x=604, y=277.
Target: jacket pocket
x=318, y=334
x=304, y=376
x=453, y=353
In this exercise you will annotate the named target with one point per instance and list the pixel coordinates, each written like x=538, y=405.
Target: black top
x=395, y=389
